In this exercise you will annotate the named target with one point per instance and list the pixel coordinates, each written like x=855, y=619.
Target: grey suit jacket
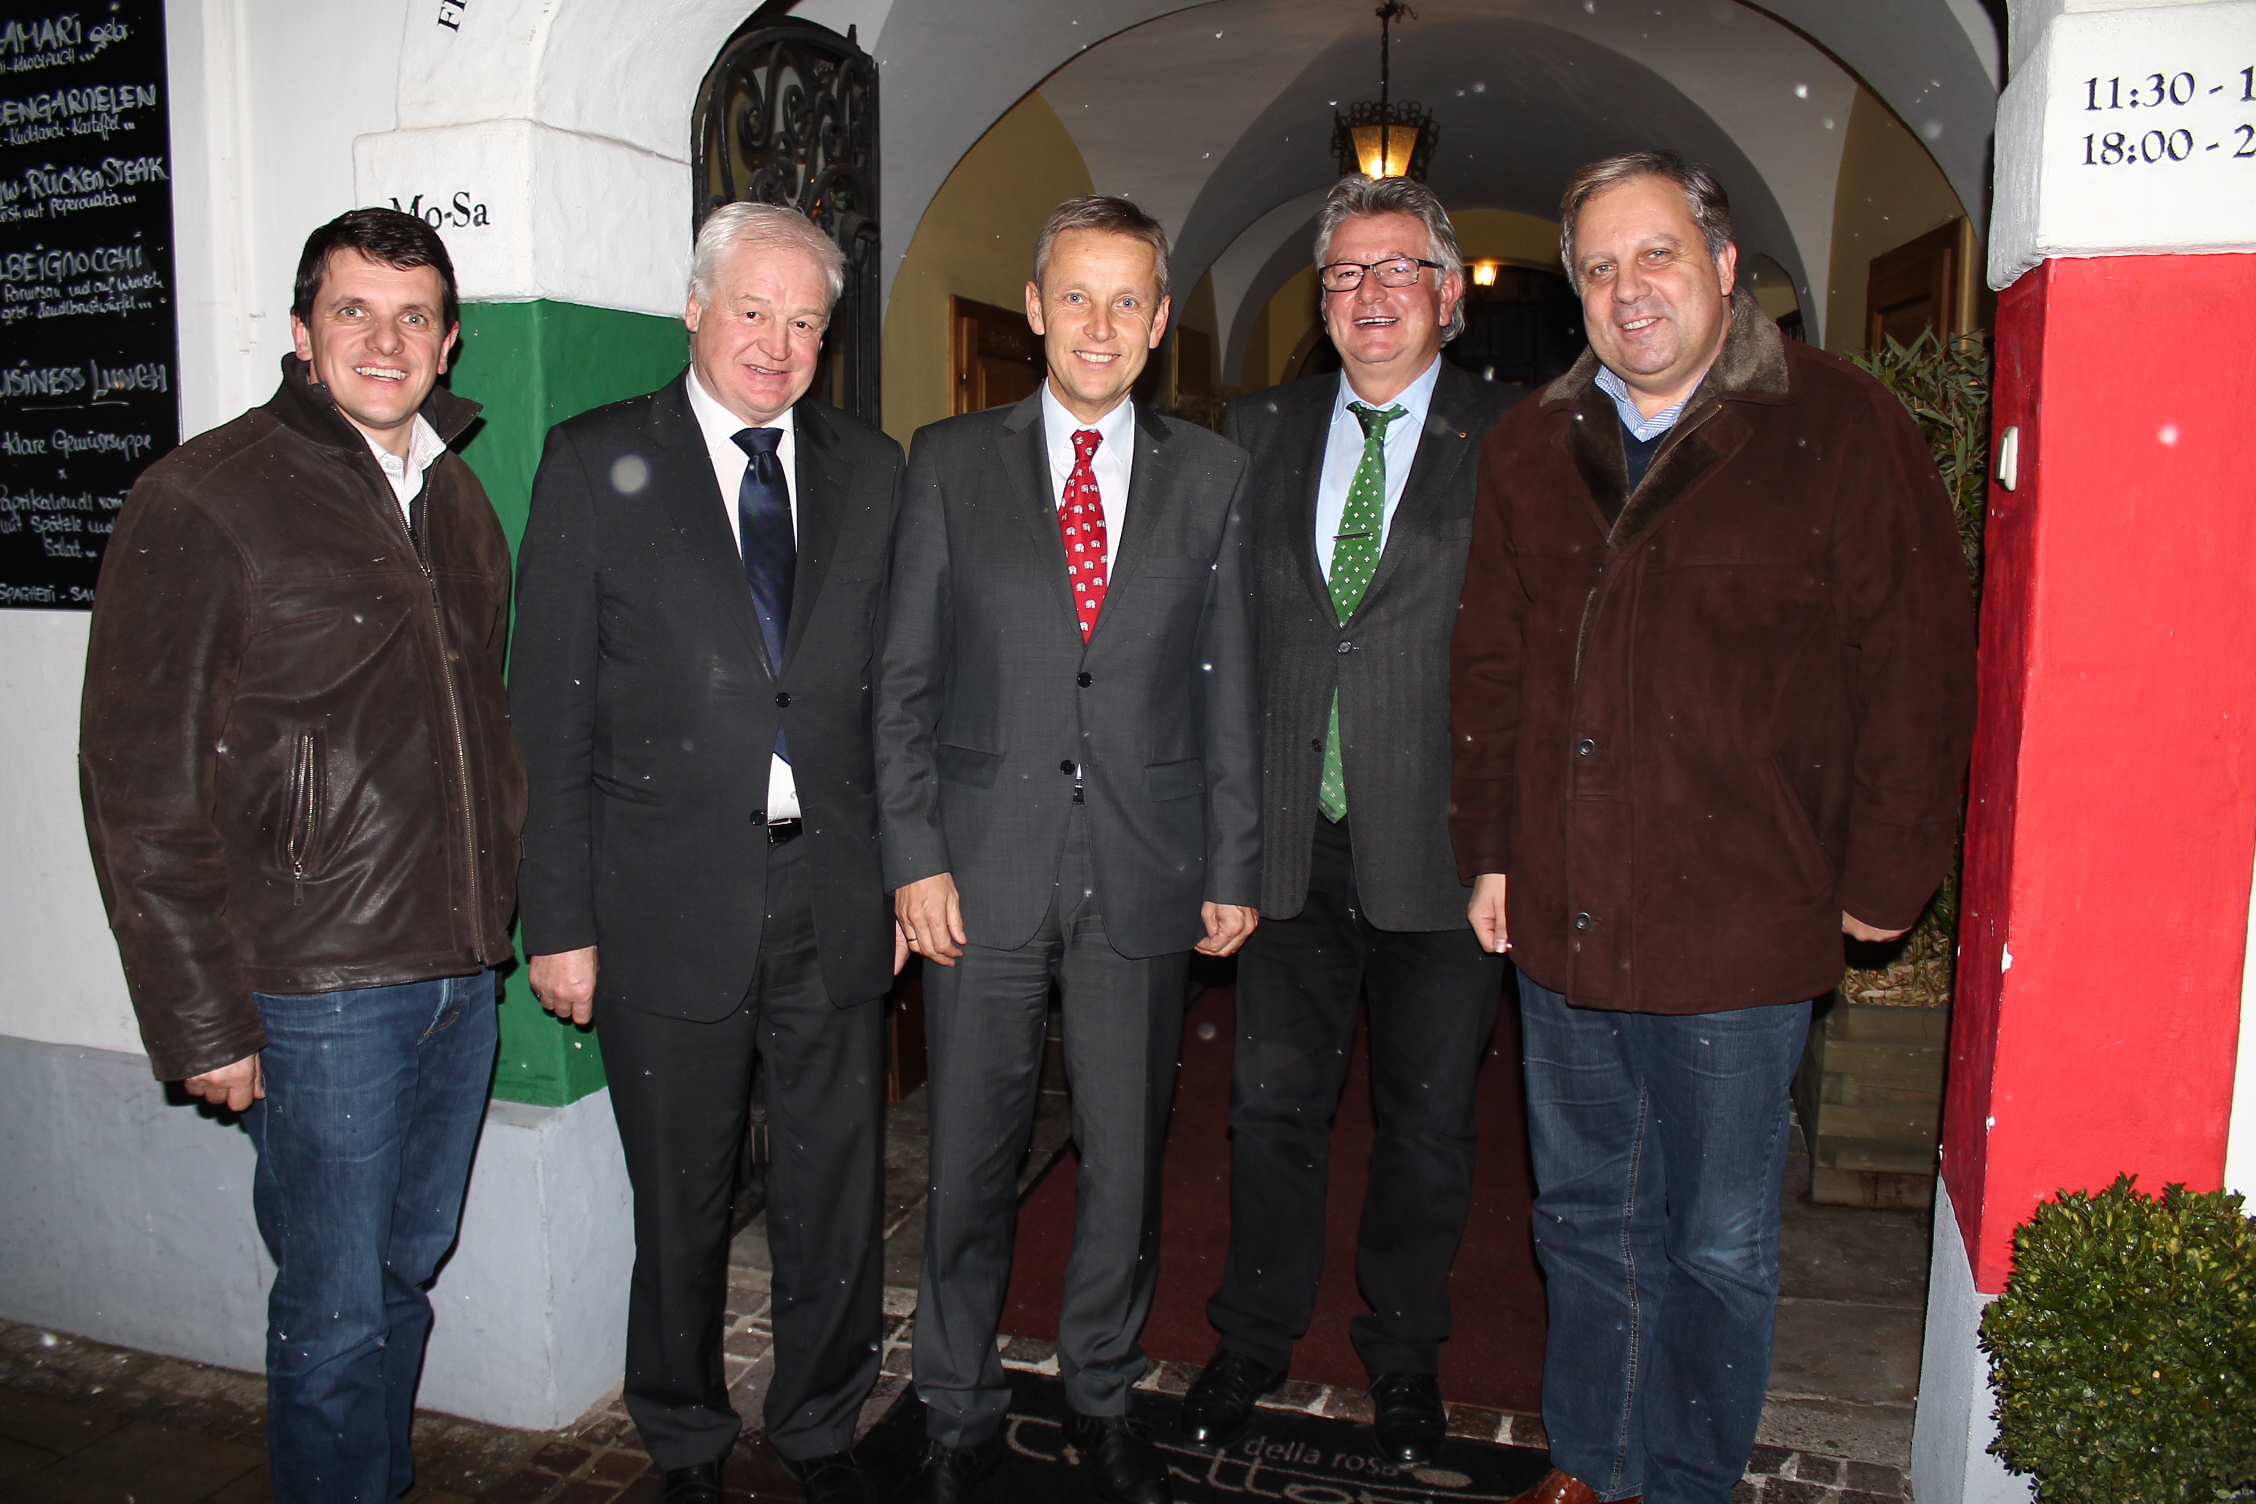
x=1389, y=663
x=987, y=696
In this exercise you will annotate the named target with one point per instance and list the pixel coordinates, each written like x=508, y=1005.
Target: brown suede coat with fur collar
x=1694, y=735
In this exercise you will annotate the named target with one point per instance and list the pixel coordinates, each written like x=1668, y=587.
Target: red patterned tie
x=1082, y=524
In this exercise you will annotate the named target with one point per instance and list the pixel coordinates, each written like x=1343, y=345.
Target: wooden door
x=996, y=355
x=1916, y=287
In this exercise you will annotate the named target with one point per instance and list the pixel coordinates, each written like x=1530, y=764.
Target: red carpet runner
x=1495, y=1357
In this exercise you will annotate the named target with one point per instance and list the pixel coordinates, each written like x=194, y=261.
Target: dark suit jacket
x=647, y=708
x=1390, y=663
x=987, y=695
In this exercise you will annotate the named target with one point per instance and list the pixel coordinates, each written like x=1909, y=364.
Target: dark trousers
x=374, y=1098
x=681, y=1090
x=1433, y=997
x=984, y=1020
x=1659, y=1144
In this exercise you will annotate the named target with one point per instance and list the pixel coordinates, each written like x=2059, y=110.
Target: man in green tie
x=1361, y=492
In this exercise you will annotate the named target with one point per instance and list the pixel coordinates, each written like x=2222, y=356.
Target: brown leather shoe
x=1563, y=1488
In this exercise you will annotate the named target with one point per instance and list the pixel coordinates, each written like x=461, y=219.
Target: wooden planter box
x=1870, y=1095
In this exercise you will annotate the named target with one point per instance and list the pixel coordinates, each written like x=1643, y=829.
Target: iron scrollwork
x=788, y=115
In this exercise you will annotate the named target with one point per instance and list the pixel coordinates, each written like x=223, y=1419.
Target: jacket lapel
x=1023, y=453
x=682, y=477
x=1151, y=485
x=1310, y=434
x=1442, y=448
x=820, y=486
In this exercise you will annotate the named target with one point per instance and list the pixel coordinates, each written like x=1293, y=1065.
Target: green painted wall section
x=532, y=365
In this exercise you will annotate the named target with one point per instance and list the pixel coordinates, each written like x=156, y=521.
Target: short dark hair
x=1703, y=195
x=385, y=235
x=1114, y=216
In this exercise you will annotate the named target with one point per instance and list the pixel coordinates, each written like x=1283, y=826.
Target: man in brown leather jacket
x=303, y=801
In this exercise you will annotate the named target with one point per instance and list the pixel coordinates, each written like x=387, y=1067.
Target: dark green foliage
x=2123, y=1351
x=1946, y=384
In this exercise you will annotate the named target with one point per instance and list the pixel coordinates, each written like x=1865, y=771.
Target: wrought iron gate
x=788, y=115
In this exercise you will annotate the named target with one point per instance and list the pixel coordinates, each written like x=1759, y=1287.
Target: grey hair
x=1355, y=196
x=741, y=225
x=1703, y=194
x=1113, y=216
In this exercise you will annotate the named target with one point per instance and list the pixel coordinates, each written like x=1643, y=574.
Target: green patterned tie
x=1355, y=554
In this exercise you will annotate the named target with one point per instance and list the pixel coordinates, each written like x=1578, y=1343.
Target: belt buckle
x=780, y=831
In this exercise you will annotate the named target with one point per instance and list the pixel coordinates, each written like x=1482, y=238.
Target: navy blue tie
x=771, y=554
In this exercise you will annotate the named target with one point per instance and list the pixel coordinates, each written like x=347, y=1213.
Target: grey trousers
x=984, y=1020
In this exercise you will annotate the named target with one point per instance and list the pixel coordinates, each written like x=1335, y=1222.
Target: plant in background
x=1946, y=385
x=2123, y=1351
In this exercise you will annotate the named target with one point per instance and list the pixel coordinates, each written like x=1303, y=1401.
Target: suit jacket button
x=783, y=699
x=1083, y=680
x=1315, y=744
x=759, y=817
x=1347, y=647
x=1584, y=922
x=1066, y=766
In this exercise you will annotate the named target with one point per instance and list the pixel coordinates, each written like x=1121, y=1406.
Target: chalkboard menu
x=88, y=395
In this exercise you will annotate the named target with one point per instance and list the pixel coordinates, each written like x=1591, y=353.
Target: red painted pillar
x=2112, y=820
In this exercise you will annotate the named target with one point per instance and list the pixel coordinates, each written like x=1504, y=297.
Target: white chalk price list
x=2154, y=119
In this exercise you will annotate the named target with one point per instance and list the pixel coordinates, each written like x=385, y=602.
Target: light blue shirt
x=1343, y=451
x=1645, y=429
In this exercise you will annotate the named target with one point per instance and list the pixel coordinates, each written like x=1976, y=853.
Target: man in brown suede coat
x=1712, y=693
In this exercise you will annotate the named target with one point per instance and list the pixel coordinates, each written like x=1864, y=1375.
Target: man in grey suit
x=1362, y=505
x=1068, y=771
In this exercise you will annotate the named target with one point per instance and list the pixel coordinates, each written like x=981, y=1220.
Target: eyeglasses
x=1346, y=276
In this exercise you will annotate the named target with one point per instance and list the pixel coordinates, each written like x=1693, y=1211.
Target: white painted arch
x=571, y=120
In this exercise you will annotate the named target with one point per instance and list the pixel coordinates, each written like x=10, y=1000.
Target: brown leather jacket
x=1697, y=722
x=294, y=746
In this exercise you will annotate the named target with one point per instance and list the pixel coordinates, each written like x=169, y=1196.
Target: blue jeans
x=1659, y=1145
x=374, y=1097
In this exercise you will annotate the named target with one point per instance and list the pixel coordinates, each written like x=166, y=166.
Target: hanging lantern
x=1377, y=137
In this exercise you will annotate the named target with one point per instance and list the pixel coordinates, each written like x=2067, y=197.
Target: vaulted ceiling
x=1217, y=116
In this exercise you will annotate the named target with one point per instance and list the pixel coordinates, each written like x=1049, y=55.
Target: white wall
x=1950, y=1457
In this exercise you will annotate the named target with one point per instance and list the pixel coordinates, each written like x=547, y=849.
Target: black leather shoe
x=1122, y=1465
x=833, y=1479
x=1220, y=1404
x=700, y=1484
x=951, y=1475
x=1406, y=1412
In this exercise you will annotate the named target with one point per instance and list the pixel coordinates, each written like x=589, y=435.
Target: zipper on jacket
x=306, y=776
x=1590, y=602
x=461, y=736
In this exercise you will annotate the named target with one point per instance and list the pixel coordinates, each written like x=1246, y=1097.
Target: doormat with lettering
x=1285, y=1455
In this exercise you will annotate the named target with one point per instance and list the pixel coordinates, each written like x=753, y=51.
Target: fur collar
x=1753, y=363
x=1753, y=360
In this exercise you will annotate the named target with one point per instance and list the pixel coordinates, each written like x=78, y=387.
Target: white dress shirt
x=1343, y=451
x=1114, y=460
x=424, y=446
x=720, y=427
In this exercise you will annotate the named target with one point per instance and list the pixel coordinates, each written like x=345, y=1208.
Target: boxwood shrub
x=2123, y=1351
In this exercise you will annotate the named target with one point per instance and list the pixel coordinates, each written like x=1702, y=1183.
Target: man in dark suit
x=1069, y=759
x=697, y=603
x=1362, y=503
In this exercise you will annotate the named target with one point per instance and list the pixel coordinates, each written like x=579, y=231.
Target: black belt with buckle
x=780, y=831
